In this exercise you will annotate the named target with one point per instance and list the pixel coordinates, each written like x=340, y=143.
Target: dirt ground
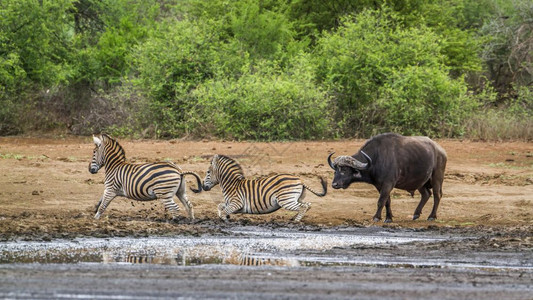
x=47, y=192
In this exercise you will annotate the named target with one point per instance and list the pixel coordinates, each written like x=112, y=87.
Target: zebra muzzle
x=93, y=170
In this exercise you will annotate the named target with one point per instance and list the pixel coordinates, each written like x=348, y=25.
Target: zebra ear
x=97, y=141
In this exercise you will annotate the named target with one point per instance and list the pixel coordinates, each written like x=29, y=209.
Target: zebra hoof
x=376, y=219
x=387, y=220
x=177, y=219
x=416, y=217
x=432, y=218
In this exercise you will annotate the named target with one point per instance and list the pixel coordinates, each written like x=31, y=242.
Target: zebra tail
x=324, y=187
x=198, y=181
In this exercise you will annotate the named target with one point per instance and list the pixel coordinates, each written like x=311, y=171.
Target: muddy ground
x=47, y=194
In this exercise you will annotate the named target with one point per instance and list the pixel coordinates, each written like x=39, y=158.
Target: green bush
x=502, y=120
x=265, y=103
x=507, y=52
x=423, y=100
x=105, y=45
x=275, y=69
x=34, y=51
x=174, y=59
x=389, y=77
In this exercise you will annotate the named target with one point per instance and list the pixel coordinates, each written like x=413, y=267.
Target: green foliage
x=266, y=69
x=34, y=50
x=386, y=74
x=502, y=119
x=168, y=76
x=508, y=50
x=423, y=100
x=35, y=35
x=119, y=26
x=261, y=32
x=455, y=22
x=265, y=103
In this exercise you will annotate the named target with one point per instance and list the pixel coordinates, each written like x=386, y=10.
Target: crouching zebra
x=143, y=182
x=256, y=196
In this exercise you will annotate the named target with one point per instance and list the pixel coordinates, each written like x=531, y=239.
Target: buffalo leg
x=384, y=198
x=437, y=194
x=388, y=216
x=426, y=193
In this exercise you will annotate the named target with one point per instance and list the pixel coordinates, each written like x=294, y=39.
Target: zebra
x=256, y=196
x=142, y=182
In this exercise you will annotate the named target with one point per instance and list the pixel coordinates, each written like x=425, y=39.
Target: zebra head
x=98, y=155
x=211, y=178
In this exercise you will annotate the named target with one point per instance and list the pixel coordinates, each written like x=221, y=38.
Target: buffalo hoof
x=416, y=217
x=387, y=221
x=376, y=219
x=432, y=218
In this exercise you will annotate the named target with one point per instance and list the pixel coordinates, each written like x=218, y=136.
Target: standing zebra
x=256, y=196
x=143, y=182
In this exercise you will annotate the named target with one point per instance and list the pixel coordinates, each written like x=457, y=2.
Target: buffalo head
x=347, y=170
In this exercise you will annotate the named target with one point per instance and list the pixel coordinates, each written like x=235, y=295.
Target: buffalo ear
x=97, y=141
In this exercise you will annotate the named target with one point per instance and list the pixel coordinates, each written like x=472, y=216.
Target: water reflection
x=191, y=257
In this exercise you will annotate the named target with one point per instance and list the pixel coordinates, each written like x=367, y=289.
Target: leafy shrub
x=104, y=47
x=502, y=120
x=265, y=103
x=37, y=35
x=507, y=51
x=12, y=83
x=423, y=100
x=392, y=76
x=175, y=58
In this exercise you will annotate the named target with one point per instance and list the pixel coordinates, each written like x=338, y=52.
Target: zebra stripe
x=142, y=182
x=256, y=196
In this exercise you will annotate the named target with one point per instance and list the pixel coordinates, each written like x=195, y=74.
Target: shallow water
x=257, y=246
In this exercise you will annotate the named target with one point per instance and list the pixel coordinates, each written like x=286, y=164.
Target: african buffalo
x=390, y=161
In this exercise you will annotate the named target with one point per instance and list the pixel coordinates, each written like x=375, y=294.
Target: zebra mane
x=114, y=144
x=230, y=161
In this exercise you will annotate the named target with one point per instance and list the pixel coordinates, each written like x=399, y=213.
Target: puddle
x=250, y=246
x=245, y=244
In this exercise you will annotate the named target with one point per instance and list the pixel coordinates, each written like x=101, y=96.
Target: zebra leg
x=168, y=202
x=222, y=211
x=98, y=204
x=295, y=204
x=226, y=209
x=304, y=207
x=103, y=203
x=183, y=198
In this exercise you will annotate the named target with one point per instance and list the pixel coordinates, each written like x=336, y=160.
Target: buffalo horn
x=329, y=160
x=368, y=159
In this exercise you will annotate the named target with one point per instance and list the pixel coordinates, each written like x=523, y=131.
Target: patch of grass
x=509, y=166
x=454, y=223
x=11, y=156
x=499, y=124
x=20, y=156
